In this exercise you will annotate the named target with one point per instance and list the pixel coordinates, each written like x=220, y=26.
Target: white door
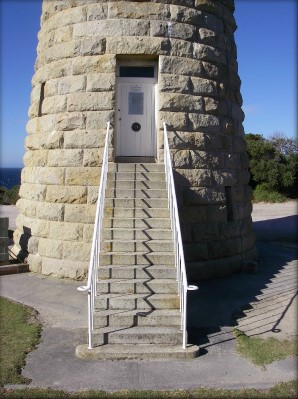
x=135, y=118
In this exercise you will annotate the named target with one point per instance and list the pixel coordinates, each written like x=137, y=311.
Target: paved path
x=263, y=304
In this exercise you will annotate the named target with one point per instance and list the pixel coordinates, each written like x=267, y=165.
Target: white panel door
x=136, y=119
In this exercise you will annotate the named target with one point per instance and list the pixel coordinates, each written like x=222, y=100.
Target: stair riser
x=136, y=212
x=170, y=302
x=99, y=339
x=136, y=185
x=130, y=167
x=147, y=259
x=130, y=321
x=136, y=202
x=138, y=176
x=134, y=246
x=142, y=234
x=137, y=223
x=170, y=339
x=142, y=193
x=129, y=287
x=159, y=321
x=116, y=272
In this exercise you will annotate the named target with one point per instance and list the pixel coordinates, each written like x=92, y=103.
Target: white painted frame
x=142, y=63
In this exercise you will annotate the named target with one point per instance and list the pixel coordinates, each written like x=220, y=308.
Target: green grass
x=19, y=334
x=264, y=351
x=283, y=390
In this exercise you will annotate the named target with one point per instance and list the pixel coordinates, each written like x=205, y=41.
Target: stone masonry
x=73, y=97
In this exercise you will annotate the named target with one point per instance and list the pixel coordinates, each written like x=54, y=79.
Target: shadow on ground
x=259, y=303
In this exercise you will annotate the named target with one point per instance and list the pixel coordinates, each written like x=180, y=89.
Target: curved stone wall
x=73, y=96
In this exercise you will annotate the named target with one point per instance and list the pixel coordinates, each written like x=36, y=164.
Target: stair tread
x=138, y=280
x=142, y=313
x=139, y=330
x=149, y=240
x=136, y=207
x=137, y=189
x=157, y=229
x=108, y=217
x=136, y=180
x=137, y=253
x=139, y=265
x=153, y=296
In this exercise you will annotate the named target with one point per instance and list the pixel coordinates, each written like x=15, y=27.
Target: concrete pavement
x=263, y=304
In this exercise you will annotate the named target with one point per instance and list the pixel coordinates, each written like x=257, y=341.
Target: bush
x=273, y=169
x=9, y=197
x=263, y=193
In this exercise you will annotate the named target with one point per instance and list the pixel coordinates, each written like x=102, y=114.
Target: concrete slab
x=57, y=301
x=276, y=222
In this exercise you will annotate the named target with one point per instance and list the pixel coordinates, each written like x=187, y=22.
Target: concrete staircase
x=137, y=308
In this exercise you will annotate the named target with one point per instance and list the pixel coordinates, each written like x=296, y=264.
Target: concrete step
x=136, y=234
x=141, y=351
x=130, y=318
x=137, y=271
x=137, y=246
x=118, y=212
x=136, y=167
x=136, y=202
x=140, y=223
x=136, y=185
x=137, y=301
x=137, y=286
x=136, y=193
x=137, y=352
x=136, y=258
x=139, y=176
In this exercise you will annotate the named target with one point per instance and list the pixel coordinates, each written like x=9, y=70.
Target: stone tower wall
x=73, y=96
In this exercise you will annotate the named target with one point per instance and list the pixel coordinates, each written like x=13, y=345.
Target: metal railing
x=183, y=286
x=95, y=249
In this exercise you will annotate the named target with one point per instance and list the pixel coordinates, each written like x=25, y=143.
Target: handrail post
x=183, y=286
x=91, y=286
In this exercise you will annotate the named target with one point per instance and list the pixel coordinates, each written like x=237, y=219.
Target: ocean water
x=10, y=177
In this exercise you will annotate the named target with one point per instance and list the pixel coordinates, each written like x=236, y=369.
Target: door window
x=136, y=72
x=135, y=103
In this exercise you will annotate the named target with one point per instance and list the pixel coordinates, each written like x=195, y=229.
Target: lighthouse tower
x=136, y=64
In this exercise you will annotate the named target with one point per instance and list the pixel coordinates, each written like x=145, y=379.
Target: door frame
x=136, y=62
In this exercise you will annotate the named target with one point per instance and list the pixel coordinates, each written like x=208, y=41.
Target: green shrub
x=9, y=197
x=273, y=170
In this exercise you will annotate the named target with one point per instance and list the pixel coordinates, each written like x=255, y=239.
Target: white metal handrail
x=183, y=286
x=95, y=249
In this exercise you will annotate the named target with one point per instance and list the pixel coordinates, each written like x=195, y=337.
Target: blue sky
x=266, y=41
